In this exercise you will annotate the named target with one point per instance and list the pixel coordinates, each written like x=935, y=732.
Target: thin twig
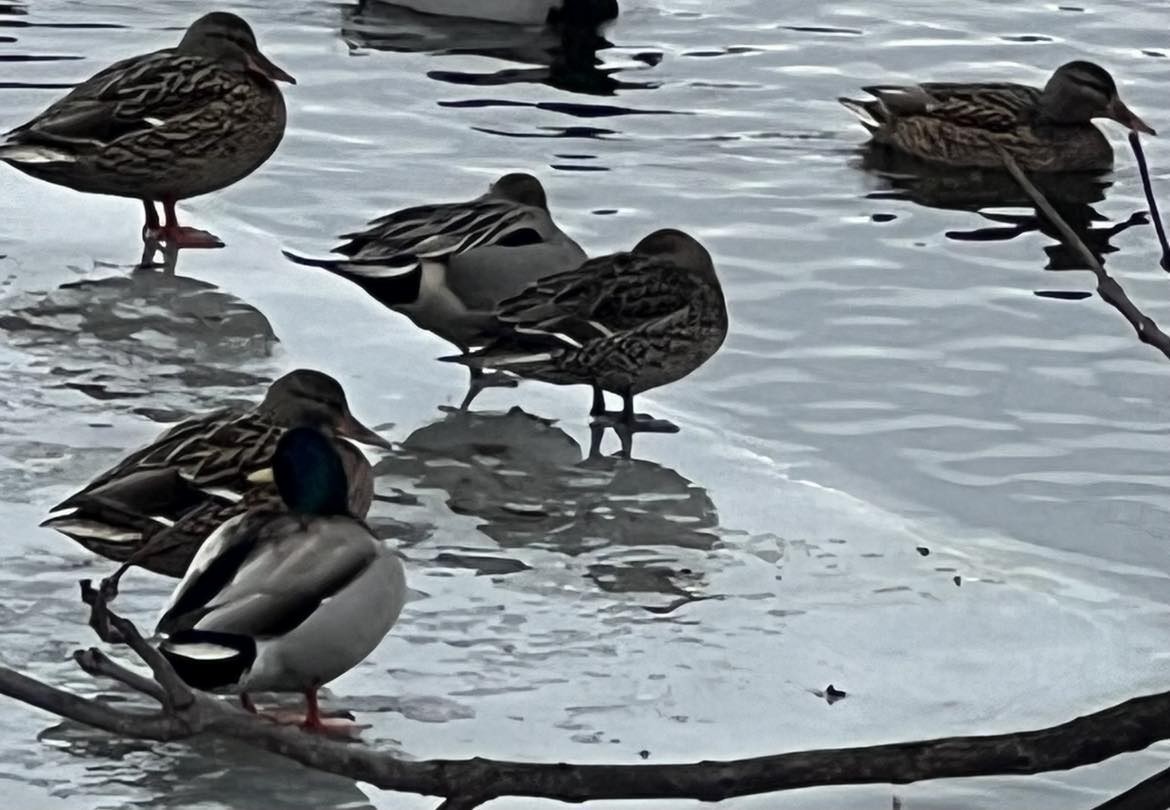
x=461, y=803
x=1148, y=187
x=96, y=663
x=1151, y=794
x=176, y=694
x=1109, y=290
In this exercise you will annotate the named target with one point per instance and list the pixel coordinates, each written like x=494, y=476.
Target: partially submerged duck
x=447, y=266
x=1044, y=130
x=521, y=12
x=285, y=599
x=157, y=506
x=623, y=323
x=162, y=127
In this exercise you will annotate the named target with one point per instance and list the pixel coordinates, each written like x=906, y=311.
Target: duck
x=519, y=12
x=961, y=125
x=623, y=323
x=155, y=507
x=162, y=127
x=446, y=266
x=285, y=599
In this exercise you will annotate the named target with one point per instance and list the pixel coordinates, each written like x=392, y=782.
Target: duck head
x=1080, y=91
x=228, y=40
x=307, y=398
x=522, y=188
x=680, y=247
x=309, y=474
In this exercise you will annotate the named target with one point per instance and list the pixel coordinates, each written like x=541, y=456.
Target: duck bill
x=351, y=428
x=259, y=63
x=1127, y=117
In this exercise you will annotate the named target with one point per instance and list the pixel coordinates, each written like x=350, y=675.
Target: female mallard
x=521, y=12
x=1047, y=130
x=285, y=599
x=155, y=507
x=162, y=127
x=447, y=266
x=623, y=323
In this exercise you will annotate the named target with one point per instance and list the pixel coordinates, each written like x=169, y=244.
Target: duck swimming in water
x=961, y=125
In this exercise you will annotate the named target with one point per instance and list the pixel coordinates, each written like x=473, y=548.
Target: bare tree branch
x=176, y=694
x=1148, y=187
x=90, y=712
x=1130, y=726
x=98, y=664
x=1147, y=330
x=465, y=784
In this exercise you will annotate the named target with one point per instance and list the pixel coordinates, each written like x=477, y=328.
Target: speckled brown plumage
x=960, y=124
x=164, y=126
x=158, y=504
x=624, y=323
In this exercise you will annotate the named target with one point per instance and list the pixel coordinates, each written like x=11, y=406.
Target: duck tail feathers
x=500, y=359
x=866, y=112
x=383, y=268
x=34, y=153
x=208, y=660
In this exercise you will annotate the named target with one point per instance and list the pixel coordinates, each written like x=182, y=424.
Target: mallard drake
x=162, y=127
x=521, y=12
x=157, y=505
x=1047, y=130
x=287, y=599
x=447, y=266
x=623, y=323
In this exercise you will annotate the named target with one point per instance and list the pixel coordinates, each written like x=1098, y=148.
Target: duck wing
x=605, y=295
x=395, y=245
x=262, y=574
x=590, y=311
x=200, y=463
x=219, y=448
x=992, y=106
x=131, y=96
x=439, y=231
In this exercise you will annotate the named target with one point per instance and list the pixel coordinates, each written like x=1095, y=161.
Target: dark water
x=892, y=382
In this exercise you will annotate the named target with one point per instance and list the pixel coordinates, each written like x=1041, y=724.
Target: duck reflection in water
x=563, y=54
x=1072, y=194
x=132, y=336
x=531, y=486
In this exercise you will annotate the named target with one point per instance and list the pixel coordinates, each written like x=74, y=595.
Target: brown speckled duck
x=956, y=124
x=157, y=506
x=623, y=323
x=162, y=127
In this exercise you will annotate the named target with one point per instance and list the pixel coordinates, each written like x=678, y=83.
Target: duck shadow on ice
x=532, y=486
x=561, y=55
x=1072, y=194
x=141, y=335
